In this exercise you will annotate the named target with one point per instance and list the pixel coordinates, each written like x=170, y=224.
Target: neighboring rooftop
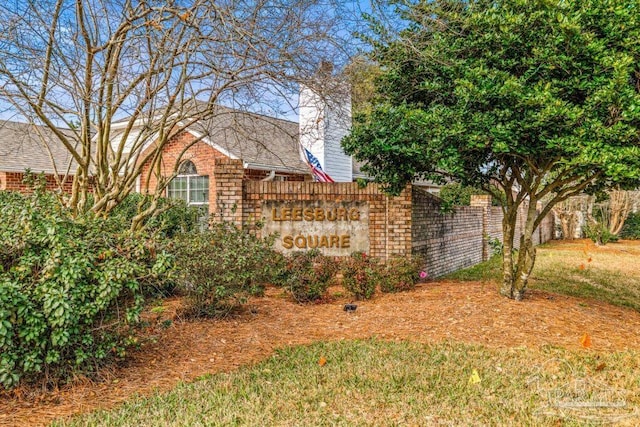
x=261, y=142
x=26, y=146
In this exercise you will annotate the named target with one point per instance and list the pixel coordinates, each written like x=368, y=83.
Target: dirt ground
x=468, y=312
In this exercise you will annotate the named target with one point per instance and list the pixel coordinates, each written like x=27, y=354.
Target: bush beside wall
x=71, y=288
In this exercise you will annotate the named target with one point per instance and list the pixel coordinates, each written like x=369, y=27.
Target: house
x=25, y=147
x=268, y=147
x=270, y=150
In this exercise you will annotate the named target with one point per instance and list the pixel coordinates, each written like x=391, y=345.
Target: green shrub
x=400, y=274
x=173, y=217
x=361, y=275
x=70, y=288
x=307, y=275
x=455, y=194
x=496, y=246
x=599, y=233
x=218, y=269
x=631, y=228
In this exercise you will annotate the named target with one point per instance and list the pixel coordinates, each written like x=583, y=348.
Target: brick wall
x=493, y=224
x=408, y=223
x=460, y=239
x=389, y=217
x=227, y=185
x=13, y=181
x=548, y=229
x=447, y=241
x=545, y=232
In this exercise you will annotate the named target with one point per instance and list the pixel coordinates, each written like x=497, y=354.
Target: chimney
x=324, y=121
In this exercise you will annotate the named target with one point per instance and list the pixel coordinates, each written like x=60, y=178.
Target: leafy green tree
x=540, y=99
x=456, y=194
x=361, y=74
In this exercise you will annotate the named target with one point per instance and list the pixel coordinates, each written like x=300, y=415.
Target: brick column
x=398, y=224
x=227, y=179
x=483, y=201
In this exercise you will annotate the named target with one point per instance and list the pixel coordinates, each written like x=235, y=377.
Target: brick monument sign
x=335, y=228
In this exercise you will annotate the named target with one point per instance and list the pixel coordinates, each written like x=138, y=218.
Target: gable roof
x=261, y=142
x=26, y=146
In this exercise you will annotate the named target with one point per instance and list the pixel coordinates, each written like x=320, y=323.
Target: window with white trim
x=190, y=187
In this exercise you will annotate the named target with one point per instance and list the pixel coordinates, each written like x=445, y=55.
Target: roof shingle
x=25, y=146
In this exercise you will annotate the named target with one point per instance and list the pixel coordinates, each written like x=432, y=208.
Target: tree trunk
x=516, y=271
x=620, y=205
x=508, y=234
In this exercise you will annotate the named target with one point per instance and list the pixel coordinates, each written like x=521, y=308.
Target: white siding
x=312, y=114
x=338, y=164
x=322, y=127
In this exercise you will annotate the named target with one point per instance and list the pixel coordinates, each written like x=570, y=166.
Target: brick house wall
x=200, y=153
x=205, y=158
x=14, y=181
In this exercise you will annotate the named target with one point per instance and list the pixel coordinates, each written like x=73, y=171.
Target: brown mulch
x=467, y=312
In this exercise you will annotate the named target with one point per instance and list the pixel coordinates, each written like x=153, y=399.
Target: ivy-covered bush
x=173, y=216
x=307, y=275
x=599, y=233
x=218, y=269
x=400, y=274
x=361, y=275
x=631, y=228
x=70, y=288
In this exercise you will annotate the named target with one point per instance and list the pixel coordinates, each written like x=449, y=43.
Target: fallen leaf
x=600, y=367
x=322, y=361
x=590, y=259
x=581, y=267
x=586, y=341
x=474, y=378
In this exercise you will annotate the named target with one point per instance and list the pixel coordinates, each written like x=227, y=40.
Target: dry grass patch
x=578, y=268
x=608, y=273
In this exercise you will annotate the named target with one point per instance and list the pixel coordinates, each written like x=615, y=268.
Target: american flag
x=316, y=168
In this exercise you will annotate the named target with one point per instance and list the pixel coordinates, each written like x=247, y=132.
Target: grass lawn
x=374, y=382
x=608, y=273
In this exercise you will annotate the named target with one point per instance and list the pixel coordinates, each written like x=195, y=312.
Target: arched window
x=190, y=187
x=187, y=168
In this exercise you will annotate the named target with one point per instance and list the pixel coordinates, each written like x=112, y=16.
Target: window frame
x=188, y=177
